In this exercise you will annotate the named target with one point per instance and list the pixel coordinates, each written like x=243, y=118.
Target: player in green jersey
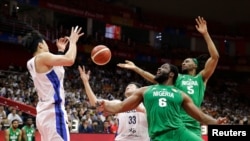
x=163, y=103
x=195, y=75
x=13, y=133
x=28, y=131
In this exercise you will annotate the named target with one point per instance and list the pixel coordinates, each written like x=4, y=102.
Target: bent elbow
x=70, y=62
x=215, y=57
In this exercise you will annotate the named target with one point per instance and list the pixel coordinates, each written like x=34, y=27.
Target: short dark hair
x=174, y=69
x=30, y=40
x=14, y=121
x=29, y=117
x=138, y=85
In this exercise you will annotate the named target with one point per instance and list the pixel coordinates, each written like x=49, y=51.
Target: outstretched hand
x=222, y=120
x=75, y=34
x=201, y=25
x=100, y=108
x=127, y=65
x=83, y=74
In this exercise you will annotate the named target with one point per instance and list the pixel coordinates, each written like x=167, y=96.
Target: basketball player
x=47, y=73
x=192, y=81
x=132, y=125
x=13, y=133
x=28, y=131
x=163, y=102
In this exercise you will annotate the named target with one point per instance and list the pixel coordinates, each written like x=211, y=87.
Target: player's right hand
x=127, y=65
x=100, y=105
x=83, y=74
x=75, y=34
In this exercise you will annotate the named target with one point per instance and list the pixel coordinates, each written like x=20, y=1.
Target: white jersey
x=132, y=126
x=50, y=107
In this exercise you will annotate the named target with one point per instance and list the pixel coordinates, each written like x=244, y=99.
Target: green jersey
x=29, y=133
x=14, y=134
x=163, y=104
x=194, y=87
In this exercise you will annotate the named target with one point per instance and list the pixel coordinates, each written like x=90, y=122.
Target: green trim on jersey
x=194, y=87
x=30, y=132
x=163, y=105
x=13, y=135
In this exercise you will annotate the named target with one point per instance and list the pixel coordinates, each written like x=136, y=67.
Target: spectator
x=106, y=127
x=4, y=123
x=13, y=132
x=97, y=127
x=84, y=127
x=87, y=117
x=74, y=115
x=2, y=112
x=13, y=115
x=28, y=131
x=2, y=116
x=114, y=126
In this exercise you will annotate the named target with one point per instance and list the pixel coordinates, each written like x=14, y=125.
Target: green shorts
x=181, y=134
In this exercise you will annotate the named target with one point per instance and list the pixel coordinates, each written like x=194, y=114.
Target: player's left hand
x=61, y=44
x=222, y=120
x=201, y=25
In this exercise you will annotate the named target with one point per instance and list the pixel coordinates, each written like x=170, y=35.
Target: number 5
x=190, y=89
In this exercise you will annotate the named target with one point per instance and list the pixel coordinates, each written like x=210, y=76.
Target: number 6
x=162, y=102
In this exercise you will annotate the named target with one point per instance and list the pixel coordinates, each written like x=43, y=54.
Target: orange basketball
x=101, y=55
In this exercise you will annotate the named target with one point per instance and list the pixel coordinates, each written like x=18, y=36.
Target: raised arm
x=197, y=114
x=128, y=104
x=214, y=55
x=92, y=97
x=85, y=80
x=66, y=59
x=131, y=66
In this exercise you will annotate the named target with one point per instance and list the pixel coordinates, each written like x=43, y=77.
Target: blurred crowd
x=221, y=98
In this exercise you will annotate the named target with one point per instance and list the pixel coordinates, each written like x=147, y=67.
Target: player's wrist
x=137, y=69
x=205, y=34
x=218, y=121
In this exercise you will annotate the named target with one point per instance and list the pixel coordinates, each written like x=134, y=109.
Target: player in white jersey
x=132, y=125
x=47, y=73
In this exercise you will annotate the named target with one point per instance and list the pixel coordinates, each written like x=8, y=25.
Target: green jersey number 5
x=190, y=89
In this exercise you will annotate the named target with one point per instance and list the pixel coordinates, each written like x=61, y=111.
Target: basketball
x=101, y=55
